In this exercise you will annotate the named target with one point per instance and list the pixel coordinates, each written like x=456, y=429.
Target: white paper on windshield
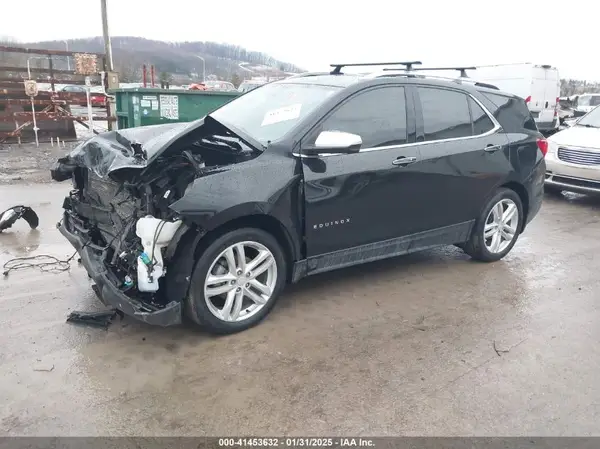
x=282, y=114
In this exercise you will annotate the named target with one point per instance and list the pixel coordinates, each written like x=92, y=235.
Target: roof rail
x=462, y=70
x=412, y=74
x=407, y=74
x=489, y=86
x=392, y=72
x=305, y=74
x=337, y=68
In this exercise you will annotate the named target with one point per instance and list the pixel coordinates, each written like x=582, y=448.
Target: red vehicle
x=97, y=99
x=197, y=86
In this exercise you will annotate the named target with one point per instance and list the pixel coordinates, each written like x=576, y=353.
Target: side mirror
x=332, y=142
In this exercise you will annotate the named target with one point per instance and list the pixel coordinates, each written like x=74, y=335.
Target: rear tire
x=236, y=281
x=498, y=227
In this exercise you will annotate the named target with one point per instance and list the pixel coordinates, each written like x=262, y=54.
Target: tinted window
x=378, y=116
x=445, y=114
x=511, y=112
x=481, y=122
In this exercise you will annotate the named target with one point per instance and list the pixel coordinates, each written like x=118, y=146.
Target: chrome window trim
x=497, y=127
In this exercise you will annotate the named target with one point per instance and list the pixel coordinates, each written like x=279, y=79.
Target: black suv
x=316, y=172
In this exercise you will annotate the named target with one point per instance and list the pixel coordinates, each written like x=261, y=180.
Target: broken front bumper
x=92, y=258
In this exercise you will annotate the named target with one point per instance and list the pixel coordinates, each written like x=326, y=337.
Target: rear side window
x=445, y=114
x=482, y=123
x=511, y=112
x=378, y=116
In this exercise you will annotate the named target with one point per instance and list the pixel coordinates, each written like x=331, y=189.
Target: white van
x=539, y=85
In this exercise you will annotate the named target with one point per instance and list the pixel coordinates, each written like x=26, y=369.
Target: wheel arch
x=520, y=190
x=264, y=222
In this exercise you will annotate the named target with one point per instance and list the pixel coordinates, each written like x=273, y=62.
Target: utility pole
x=110, y=107
x=107, y=46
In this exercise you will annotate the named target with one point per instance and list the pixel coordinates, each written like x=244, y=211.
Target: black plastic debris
x=101, y=319
x=10, y=216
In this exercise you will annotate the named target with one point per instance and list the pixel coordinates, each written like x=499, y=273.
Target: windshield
x=591, y=119
x=588, y=100
x=271, y=111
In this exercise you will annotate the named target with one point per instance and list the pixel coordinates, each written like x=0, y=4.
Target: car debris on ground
x=102, y=319
x=11, y=215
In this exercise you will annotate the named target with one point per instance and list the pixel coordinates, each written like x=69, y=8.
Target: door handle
x=491, y=148
x=403, y=161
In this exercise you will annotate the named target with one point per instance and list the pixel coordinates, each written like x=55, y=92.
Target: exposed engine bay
x=125, y=212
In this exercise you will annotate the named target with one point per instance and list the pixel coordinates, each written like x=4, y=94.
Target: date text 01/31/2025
x=296, y=442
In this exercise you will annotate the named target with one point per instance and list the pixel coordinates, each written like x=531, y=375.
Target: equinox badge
x=331, y=223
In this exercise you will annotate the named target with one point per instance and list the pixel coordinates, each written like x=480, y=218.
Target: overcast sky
x=315, y=33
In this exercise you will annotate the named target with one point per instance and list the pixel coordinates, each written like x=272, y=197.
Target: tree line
x=570, y=87
x=187, y=61
x=180, y=59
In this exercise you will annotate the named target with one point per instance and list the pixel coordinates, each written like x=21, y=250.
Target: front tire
x=236, y=281
x=498, y=227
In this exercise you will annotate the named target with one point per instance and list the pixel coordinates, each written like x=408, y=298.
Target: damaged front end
x=135, y=247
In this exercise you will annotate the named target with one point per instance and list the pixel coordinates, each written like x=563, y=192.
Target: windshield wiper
x=587, y=125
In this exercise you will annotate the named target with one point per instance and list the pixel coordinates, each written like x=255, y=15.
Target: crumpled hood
x=115, y=150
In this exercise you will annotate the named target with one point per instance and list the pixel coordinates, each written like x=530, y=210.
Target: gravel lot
x=427, y=344
x=31, y=163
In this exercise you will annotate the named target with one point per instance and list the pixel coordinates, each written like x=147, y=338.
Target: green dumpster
x=149, y=106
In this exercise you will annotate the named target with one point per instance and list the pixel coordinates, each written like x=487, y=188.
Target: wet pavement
x=427, y=344
x=28, y=163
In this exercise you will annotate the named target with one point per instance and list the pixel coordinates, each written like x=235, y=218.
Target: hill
x=182, y=61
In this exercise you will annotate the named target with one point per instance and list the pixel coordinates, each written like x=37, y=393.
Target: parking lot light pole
x=203, y=68
x=68, y=57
